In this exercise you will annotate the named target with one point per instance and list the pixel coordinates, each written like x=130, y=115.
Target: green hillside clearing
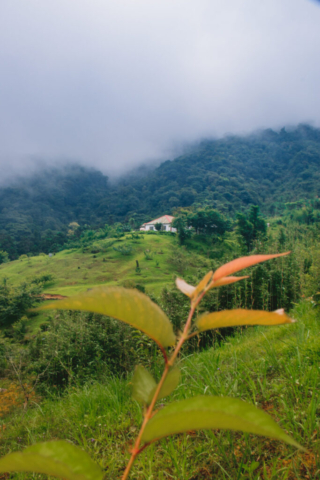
x=75, y=271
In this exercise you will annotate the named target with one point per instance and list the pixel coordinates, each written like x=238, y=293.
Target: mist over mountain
x=267, y=169
x=108, y=84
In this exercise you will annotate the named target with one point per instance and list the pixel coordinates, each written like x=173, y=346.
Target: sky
x=116, y=83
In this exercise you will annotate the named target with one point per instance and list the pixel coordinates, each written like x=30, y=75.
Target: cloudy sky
x=114, y=83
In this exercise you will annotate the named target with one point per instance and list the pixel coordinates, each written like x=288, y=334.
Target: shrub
x=81, y=346
x=148, y=255
x=16, y=301
x=123, y=249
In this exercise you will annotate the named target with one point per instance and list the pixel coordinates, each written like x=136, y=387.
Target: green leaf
x=129, y=306
x=143, y=384
x=205, y=412
x=58, y=459
x=232, y=318
x=171, y=382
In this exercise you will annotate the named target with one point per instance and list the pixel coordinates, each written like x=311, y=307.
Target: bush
x=16, y=301
x=148, y=255
x=129, y=284
x=141, y=288
x=20, y=328
x=123, y=249
x=43, y=279
x=77, y=347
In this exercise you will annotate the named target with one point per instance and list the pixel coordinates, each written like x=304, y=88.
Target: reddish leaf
x=184, y=287
x=202, y=284
x=241, y=263
x=226, y=281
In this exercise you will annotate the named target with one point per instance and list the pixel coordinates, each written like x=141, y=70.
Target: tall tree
x=251, y=226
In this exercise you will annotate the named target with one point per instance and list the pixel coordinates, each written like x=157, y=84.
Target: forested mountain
x=265, y=169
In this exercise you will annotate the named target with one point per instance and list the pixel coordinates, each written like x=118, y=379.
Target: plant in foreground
x=60, y=459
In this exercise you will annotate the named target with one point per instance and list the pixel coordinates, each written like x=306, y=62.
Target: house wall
x=165, y=227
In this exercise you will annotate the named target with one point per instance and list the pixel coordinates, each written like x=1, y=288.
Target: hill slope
x=75, y=271
x=265, y=169
x=274, y=368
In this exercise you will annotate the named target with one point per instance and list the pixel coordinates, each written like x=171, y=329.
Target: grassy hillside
x=275, y=368
x=75, y=271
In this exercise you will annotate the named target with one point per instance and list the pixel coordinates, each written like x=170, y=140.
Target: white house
x=165, y=221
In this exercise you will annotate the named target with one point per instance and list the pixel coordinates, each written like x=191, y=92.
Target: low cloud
x=116, y=84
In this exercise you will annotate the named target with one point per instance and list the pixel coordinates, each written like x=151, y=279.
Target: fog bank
x=116, y=84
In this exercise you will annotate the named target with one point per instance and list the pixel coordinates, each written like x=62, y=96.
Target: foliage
x=75, y=348
x=312, y=277
x=179, y=260
x=251, y=228
x=180, y=224
x=20, y=328
x=208, y=221
x=123, y=249
x=43, y=279
x=16, y=301
x=135, y=309
x=4, y=257
x=73, y=226
x=148, y=255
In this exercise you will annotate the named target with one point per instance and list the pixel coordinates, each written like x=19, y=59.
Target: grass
x=276, y=369
x=75, y=271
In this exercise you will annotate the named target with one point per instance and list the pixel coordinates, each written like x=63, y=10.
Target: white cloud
x=114, y=83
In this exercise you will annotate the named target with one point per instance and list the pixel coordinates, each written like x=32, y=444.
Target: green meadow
x=76, y=270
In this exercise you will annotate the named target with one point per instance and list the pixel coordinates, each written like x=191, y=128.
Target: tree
x=158, y=226
x=208, y=221
x=251, y=226
x=181, y=225
x=258, y=224
x=73, y=226
x=282, y=237
x=187, y=196
x=4, y=257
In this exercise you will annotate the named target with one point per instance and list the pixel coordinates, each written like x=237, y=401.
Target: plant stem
x=136, y=449
x=147, y=417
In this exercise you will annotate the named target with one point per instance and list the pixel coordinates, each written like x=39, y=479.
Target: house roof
x=163, y=219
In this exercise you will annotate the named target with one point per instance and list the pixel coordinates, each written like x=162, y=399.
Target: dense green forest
x=270, y=169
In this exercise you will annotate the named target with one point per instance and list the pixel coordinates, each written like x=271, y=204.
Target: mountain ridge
x=268, y=169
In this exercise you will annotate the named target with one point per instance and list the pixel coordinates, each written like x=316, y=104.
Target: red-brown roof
x=163, y=219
